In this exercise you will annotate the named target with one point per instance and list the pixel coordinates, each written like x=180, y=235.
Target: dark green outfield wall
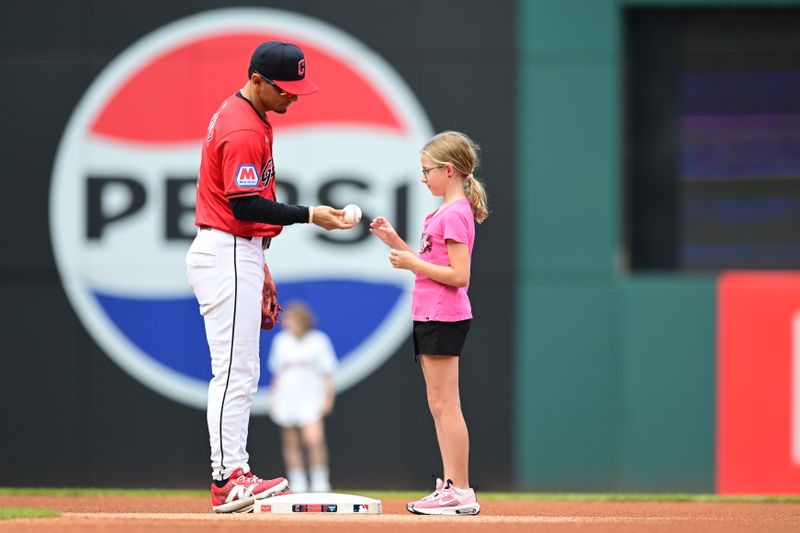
x=616, y=381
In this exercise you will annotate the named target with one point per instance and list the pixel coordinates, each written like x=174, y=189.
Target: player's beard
x=282, y=109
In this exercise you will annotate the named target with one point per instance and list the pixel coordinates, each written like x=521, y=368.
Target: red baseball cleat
x=242, y=490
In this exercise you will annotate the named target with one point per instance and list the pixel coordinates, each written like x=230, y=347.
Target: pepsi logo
x=122, y=195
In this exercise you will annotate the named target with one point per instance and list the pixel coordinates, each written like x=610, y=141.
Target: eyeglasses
x=280, y=91
x=426, y=170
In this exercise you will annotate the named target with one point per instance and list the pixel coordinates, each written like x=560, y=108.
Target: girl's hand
x=381, y=228
x=327, y=407
x=330, y=396
x=404, y=260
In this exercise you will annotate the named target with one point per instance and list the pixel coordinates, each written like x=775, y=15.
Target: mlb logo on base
x=318, y=502
x=247, y=176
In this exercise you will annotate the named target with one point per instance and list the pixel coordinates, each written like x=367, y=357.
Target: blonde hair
x=302, y=313
x=455, y=148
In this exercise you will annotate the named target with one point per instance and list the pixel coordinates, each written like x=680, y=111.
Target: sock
x=220, y=483
x=319, y=479
x=297, y=480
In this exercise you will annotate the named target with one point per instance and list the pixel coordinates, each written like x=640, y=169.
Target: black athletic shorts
x=440, y=338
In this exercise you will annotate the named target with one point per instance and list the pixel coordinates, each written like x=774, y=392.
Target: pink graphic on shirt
x=424, y=244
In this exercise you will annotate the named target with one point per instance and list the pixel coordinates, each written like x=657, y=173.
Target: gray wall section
x=568, y=134
x=74, y=418
x=615, y=389
x=666, y=396
x=564, y=385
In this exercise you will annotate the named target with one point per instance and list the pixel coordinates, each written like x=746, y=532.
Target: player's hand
x=382, y=229
x=327, y=407
x=326, y=217
x=403, y=260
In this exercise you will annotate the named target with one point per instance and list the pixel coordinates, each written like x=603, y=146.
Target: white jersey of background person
x=299, y=367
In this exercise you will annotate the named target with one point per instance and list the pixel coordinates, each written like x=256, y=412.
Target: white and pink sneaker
x=447, y=500
x=432, y=495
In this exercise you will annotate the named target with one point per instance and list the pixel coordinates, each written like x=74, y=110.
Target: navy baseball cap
x=285, y=64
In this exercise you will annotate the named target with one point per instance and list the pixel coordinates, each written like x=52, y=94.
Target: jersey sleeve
x=274, y=360
x=327, y=355
x=244, y=157
x=455, y=226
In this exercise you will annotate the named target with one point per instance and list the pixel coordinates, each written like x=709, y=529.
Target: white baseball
x=352, y=213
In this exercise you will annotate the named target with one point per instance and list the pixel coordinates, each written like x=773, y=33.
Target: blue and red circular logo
x=122, y=194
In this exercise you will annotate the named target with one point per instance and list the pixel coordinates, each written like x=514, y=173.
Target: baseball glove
x=269, y=302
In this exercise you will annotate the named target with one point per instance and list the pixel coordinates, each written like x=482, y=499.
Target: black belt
x=265, y=241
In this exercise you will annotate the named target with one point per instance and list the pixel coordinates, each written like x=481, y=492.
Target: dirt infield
x=126, y=514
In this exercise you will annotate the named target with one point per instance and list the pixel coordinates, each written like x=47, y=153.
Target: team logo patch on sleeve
x=247, y=176
x=267, y=173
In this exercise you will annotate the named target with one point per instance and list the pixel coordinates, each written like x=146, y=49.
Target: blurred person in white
x=302, y=362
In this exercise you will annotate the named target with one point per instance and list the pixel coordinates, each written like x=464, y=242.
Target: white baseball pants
x=226, y=274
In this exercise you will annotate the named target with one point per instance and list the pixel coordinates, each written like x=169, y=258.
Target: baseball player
x=237, y=217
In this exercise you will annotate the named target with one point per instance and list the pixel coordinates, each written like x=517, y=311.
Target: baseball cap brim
x=298, y=87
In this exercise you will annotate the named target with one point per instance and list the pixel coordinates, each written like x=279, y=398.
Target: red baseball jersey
x=236, y=161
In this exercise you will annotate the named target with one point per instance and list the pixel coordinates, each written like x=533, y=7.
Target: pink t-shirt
x=432, y=300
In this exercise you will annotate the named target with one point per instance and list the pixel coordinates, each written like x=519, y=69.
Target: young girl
x=441, y=309
x=302, y=362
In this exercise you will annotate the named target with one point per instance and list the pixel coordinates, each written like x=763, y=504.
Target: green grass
x=12, y=513
x=46, y=491
x=408, y=495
